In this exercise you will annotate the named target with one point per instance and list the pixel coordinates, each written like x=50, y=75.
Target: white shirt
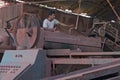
x=50, y=24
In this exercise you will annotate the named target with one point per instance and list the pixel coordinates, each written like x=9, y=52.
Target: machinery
x=23, y=65
x=28, y=34
x=35, y=64
x=8, y=13
x=40, y=54
x=109, y=32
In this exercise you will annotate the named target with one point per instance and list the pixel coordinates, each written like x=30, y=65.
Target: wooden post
x=79, y=1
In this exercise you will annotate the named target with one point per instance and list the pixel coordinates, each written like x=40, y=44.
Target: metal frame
x=90, y=73
x=68, y=39
x=86, y=61
x=114, y=78
x=70, y=53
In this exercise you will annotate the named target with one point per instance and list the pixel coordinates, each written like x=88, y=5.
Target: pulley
x=26, y=31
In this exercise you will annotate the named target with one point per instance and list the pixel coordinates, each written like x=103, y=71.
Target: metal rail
x=82, y=61
x=67, y=52
x=114, y=78
x=48, y=1
x=75, y=40
x=90, y=73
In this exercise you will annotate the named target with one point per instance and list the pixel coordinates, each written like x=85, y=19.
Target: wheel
x=27, y=30
x=101, y=31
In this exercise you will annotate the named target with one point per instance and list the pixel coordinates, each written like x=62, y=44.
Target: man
x=50, y=22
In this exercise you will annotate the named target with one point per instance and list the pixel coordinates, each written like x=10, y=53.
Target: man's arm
x=65, y=25
x=62, y=24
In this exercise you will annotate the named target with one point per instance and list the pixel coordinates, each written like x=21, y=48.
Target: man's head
x=51, y=15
